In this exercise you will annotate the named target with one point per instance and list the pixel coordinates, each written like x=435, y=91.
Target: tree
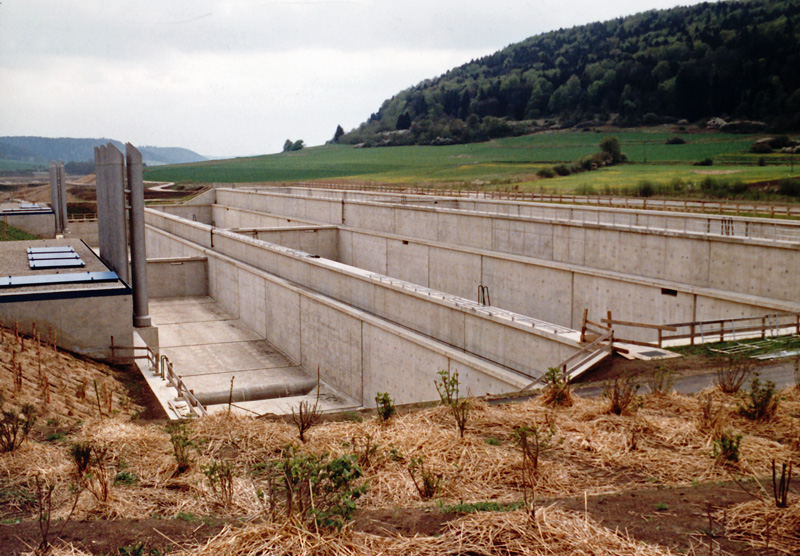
x=297, y=145
x=287, y=146
x=338, y=134
x=611, y=146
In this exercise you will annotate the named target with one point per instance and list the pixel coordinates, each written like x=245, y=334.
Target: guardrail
x=163, y=367
x=716, y=330
x=602, y=344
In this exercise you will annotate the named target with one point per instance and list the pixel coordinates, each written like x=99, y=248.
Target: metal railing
x=163, y=367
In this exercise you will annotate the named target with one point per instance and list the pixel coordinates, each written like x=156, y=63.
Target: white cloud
x=240, y=76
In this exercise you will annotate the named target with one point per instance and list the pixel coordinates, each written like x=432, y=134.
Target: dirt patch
x=106, y=537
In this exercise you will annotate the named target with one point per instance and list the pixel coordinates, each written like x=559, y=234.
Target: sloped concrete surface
x=223, y=360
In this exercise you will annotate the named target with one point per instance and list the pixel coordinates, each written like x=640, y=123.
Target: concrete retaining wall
x=752, y=267
x=177, y=277
x=42, y=224
x=86, y=230
x=355, y=351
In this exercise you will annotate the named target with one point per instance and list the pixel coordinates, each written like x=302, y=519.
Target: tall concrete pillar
x=116, y=205
x=101, y=190
x=58, y=196
x=141, y=312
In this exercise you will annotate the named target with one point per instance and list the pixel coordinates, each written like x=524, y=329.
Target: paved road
x=781, y=373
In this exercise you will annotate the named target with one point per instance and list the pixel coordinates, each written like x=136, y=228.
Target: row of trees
x=728, y=58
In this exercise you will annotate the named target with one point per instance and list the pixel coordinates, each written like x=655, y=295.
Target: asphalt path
x=781, y=373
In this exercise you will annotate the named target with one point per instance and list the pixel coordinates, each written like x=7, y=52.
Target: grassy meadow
x=504, y=163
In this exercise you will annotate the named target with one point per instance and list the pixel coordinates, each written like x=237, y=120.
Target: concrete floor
x=209, y=348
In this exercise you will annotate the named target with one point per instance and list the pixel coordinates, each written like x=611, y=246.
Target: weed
x=731, y=376
x=661, y=507
x=219, y=476
x=726, y=447
x=557, y=391
x=621, y=393
x=493, y=441
x=448, y=388
x=384, y=405
x=475, y=507
x=533, y=442
x=426, y=482
x=661, y=381
x=179, y=438
x=44, y=505
x=15, y=426
x=761, y=401
x=125, y=478
x=712, y=417
x=365, y=449
x=55, y=436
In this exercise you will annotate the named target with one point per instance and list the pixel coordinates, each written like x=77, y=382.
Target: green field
x=16, y=165
x=508, y=162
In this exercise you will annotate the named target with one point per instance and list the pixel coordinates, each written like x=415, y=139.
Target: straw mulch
x=58, y=384
x=591, y=452
x=763, y=525
x=552, y=531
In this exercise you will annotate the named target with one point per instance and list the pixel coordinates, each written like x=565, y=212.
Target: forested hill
x=68, y=149
x=736, y=60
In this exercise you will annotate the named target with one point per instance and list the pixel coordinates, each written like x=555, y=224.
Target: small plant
x=365, y=449
x=384, y=405
x=15, y=426
x=661, y=381
x=125, y=478
x=533, y=442
x=726, y=447
x=316, y=487
x=557, y=391
x=426, y=482
x=179, y=438
x=44, y=505
x=712, y=416
x=661, y=507
x=621, y=393
x=219, y=476
x=780, y=488
x=306, y=417
x=448, y=388
x=731, y=376
x=761, y=401
x=493, y=441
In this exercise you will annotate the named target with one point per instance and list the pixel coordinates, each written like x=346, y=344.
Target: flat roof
x=14, y=263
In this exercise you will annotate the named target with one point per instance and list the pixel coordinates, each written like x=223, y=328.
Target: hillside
x=734, y=60
x=44, y=149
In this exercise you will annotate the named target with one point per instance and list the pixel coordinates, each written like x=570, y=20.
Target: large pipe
x=141, y=312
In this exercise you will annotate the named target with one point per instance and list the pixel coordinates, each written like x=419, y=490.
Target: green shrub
x=219, y=476
x=562, y=169
x=704, y=162
x=789, y=187
x=645, y=189
x=546, y=172
x=426, y=482
x=761, y=401
x=15, y=424
x=179, y=438
x=557, y=391
x=726, y=447
x=384, y=405
x=317, y=487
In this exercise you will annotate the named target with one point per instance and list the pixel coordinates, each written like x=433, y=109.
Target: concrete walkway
x=220, y=358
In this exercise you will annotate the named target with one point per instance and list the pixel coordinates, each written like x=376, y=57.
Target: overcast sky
x=239, y=77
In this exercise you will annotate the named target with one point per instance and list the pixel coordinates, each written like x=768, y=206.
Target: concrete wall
x=86, y=230
x=193, y=212
x=177, y=277
x=81, y=325
x=554, y=292
x=739, y=265
x=232, y=217
x=315, y=240
x=357, y=352
x=42, y=224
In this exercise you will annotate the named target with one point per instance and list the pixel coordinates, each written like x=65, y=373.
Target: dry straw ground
x=666, y=440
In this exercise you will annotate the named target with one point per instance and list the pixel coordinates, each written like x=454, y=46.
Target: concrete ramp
x=221, y=359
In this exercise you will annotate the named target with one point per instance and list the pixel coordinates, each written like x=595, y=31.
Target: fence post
x=691, y=340
x=763, y=326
